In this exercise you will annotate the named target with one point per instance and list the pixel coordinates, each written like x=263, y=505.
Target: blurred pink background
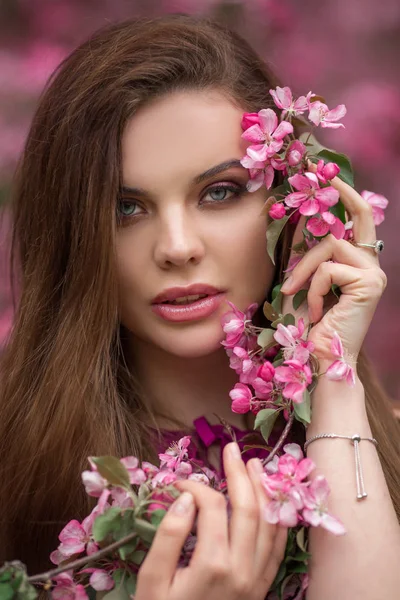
x=347, y=51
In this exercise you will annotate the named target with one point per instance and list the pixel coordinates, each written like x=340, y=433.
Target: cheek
x=130, y=269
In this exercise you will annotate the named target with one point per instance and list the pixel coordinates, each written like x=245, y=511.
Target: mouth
x=187, y=304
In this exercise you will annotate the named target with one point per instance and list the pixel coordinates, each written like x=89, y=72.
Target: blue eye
x=127, y=208
x=224, y=193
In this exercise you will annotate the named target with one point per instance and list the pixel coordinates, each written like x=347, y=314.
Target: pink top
x=204, y=434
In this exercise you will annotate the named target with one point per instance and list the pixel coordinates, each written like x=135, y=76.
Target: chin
x=193, y=344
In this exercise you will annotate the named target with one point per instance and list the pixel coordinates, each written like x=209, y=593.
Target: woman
x=129, y=188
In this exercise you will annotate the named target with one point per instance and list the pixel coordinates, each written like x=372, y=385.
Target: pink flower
x=296, y=376
x=348, y=230
x=277, y=211
x=249, y=119
x=294, y=348
x=310, y=197
x=136, y=475
x=316, y=507
x=284, y=485
x=100, y=580
x=243, y=365
x=77, y=537
x=261, y=173
x=67, y=589
x=295, y=153
x=241, y=397
x=263, y=389
x=340, y=369
x=283, y=99
x=321, y=115
x=378, y=203
x=324, y=223
x=267, y=136
x=175, y=454
x=94, y=483
x=234, y=325
x=326, y=172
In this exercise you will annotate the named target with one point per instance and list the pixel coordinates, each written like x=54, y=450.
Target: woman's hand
x=234, y=559
x=355, y=270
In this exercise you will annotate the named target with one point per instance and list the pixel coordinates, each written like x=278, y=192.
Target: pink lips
x=199, y=309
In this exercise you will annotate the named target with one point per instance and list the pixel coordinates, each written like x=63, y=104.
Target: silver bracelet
x=355, y=439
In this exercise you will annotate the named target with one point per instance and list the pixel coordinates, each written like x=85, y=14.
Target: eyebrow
x=224, y=166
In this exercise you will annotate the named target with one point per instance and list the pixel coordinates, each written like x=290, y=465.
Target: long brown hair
x=66, y=392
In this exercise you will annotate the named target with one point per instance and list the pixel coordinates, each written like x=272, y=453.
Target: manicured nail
x=256, y=466
x=183, y=504
x=234, y=450
x=287, y=284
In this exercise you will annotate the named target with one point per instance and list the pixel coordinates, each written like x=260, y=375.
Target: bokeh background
x=347, y=51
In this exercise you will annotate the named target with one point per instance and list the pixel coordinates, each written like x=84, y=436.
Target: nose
x=178, y=239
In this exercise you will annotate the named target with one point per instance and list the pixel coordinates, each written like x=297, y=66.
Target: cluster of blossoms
x=279, y=375
x=153, y=496
x=293, y=501
x=274, y=147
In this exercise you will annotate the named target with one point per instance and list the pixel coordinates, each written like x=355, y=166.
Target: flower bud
x=277, y=211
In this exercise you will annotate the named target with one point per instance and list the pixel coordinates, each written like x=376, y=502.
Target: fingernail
x=234, y=450
x=287, y=284
x=256, y=466
x=183, y=504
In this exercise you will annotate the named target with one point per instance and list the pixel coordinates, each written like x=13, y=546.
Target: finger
x=159, y=566
x=364, y=286
x=267, y=533
x=212, y=546
x=329, y=248
x=360, y=213
x=245, y=515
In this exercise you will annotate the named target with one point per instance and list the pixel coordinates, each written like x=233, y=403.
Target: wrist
x=338, y=408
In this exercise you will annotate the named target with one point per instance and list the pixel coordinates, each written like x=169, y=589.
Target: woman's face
x=182, y=226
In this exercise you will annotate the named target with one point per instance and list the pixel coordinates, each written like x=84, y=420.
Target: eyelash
x=237, y=191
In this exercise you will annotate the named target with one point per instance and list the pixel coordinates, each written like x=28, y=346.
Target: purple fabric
x=204, y=434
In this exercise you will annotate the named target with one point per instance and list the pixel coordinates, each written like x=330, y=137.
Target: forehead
x=181, y=134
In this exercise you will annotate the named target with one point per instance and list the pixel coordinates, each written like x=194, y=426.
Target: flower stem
x=282, y=438
x=81, y=562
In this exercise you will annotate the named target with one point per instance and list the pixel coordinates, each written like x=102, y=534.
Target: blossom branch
x=81, y=562
x=282, y=438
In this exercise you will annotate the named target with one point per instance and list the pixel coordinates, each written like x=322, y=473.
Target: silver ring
x=377, y=246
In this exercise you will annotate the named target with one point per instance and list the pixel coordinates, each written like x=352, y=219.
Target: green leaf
x=288, y=319
x=119, y=593
x=300, y=539
x=130, y=584
x=6, y=591
x=269, y=312
x=157, y=516
x=265, y=420
x=335, y=289
x=145, y=530
x=313, y=145
x=343, y=161
x=138, y=557
x=275, y=290
x=302, y=411
x=274, y=231
x=113, y=470
x=263, y=416
x=107, y=523
x=339, y=211
x=266, y=337
x=277, y=302
x=126, y=550
x=299, y=298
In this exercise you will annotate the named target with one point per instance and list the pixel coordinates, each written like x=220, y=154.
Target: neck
x=186, y=388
